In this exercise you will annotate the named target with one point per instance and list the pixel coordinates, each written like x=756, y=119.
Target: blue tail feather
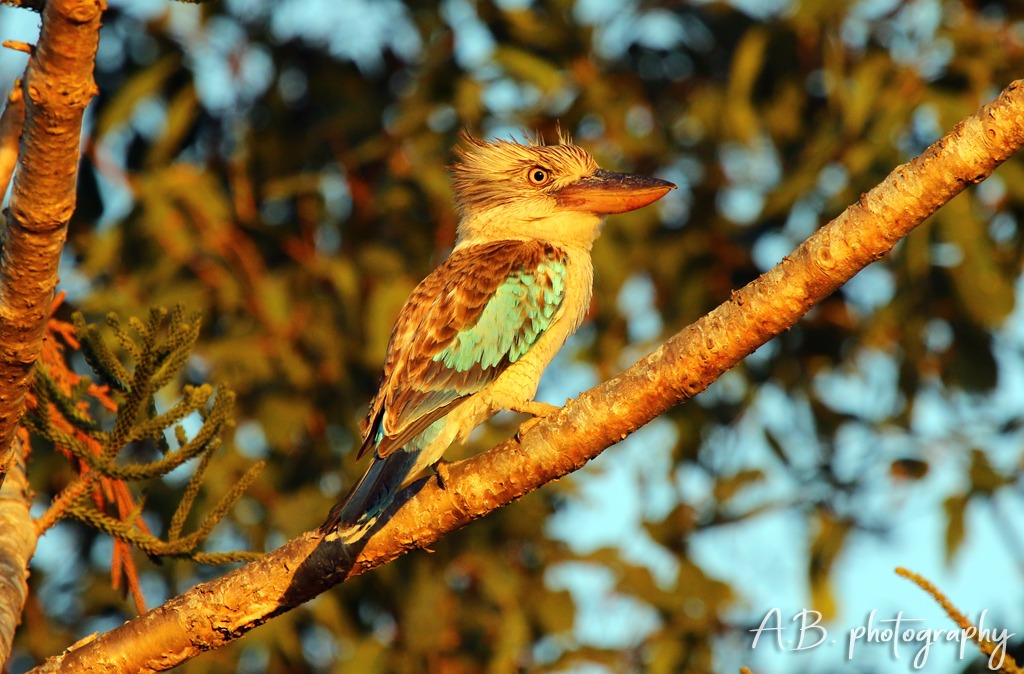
x=359, y=510
x=355, y=514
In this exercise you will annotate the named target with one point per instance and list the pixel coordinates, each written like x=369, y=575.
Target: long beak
x=608, y=192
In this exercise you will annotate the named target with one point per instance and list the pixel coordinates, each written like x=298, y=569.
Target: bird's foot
x=534, y=408
x=537, y=409
x=441, y=470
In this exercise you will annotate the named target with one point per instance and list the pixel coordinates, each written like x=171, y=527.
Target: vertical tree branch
x=215, y=613
x=57, y=87
x=17, y=545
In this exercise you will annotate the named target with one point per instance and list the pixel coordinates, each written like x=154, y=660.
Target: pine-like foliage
x=151, y=355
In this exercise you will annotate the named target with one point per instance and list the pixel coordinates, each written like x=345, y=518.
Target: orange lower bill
x=608, y=192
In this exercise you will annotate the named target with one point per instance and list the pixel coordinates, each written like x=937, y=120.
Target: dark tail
x=358, y=511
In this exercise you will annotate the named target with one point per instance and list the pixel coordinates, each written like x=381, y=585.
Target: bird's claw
x=538, y=410
x=525, y=427
x=534, y=408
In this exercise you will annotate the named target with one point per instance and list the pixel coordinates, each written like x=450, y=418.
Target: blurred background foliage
x=281, y=167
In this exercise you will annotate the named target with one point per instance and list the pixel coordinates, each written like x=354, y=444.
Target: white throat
x=571, y=229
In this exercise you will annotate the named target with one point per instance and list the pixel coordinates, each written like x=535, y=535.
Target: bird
x=476, y=334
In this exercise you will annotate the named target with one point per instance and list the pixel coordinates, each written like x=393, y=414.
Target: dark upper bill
x=608, y=192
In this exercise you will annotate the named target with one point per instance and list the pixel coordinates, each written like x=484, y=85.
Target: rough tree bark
x=57, y=86
x=17, y=545
x=39, y=131
x=215, y=613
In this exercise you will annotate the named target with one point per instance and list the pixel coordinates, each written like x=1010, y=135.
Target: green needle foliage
x=152, y=355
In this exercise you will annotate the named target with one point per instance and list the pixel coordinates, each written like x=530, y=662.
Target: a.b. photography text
x=904, y=637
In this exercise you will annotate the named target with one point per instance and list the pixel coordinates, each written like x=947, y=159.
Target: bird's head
x=553, y=193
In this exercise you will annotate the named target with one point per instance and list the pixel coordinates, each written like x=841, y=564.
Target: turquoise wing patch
x=520, y=311
x=478, y=313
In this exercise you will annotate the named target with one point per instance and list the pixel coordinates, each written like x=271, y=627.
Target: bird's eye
x=538, y=175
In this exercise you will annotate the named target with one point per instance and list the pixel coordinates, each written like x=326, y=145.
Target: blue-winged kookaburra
x=476, y=334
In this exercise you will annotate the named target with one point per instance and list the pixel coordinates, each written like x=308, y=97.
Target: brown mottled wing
x=416, y=388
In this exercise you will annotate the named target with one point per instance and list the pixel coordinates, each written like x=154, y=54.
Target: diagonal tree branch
x=215, y=613
x=57, y=87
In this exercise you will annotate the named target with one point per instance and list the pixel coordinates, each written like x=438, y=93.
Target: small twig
x=19, y=46
x=1006, y=661
x=11, y=123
